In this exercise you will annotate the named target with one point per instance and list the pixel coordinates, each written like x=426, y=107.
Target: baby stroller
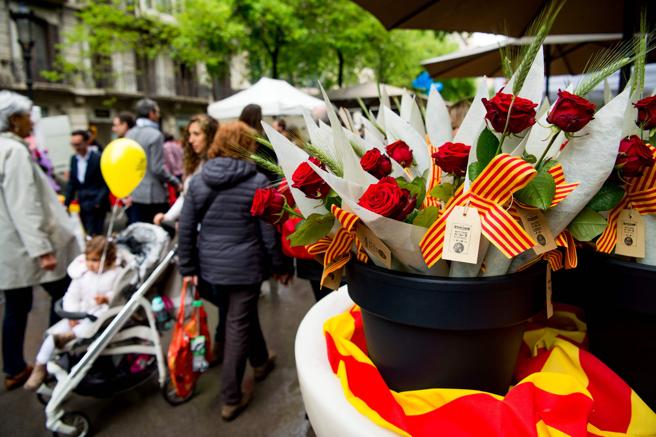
x=103, y=364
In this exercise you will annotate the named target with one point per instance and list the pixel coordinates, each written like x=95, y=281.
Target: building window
x=46, y=38
x=146, y=80
x=186, y=83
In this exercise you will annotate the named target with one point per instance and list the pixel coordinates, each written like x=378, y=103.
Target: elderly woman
x=36, y=247
x=233, y=252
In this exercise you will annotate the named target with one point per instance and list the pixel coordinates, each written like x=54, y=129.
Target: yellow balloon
x=123, y=165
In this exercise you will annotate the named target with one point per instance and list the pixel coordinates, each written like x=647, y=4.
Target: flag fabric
x=562, y=391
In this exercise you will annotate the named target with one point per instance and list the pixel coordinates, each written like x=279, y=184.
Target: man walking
x=87, y=184
x=150, y=197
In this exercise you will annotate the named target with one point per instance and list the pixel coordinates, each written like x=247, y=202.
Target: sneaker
x=36, y=378
x=261, y=372
x=230, y=412
x=62, y=339
x=16, y=381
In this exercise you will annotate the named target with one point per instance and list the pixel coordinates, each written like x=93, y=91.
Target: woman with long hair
x=199, y=135
x=222, y=244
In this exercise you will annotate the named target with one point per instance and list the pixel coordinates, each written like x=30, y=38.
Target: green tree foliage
x=303, y=41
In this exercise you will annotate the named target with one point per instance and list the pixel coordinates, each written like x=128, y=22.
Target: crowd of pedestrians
x=204, y=186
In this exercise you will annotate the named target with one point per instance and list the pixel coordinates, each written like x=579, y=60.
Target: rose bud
x=571, y=112
x=309, y=182
x=634, y=156
x=388, y=199
x=646, y=113
x=522, y=115
x=400, y=152
x=452, y=158
x=376, y=164
x=269, y=204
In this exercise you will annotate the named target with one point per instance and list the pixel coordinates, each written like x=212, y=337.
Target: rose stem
x=553, y=139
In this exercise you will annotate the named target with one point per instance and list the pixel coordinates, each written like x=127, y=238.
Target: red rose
x=571, y=112
x=269, y=204
x=400, y=152
x=634, y=157
x=522, y=115
x=376, y=163
x=646, y=113
x=309, y=182
x=452, y=158
x=284, y=189
x=388, y=199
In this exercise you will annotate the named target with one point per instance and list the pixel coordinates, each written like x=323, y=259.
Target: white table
x=328, y=410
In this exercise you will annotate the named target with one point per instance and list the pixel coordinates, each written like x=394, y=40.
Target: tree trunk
x=340, y=66
x=274, y=62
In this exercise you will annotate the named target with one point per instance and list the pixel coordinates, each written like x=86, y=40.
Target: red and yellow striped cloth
x=641, y=196
x=435, y=178
x=564, y=391
x=488, y=193
x=563, y=189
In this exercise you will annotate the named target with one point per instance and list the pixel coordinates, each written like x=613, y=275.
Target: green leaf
x=474, y=170
x=539, y=192
x=443, y=191
x=587, y=225
x=486, y=147
x=333, y=200
x=531, y=159
x=411, y=216
x=426, y=217
x=311, y=229
x=417, y=187
x=607, y=197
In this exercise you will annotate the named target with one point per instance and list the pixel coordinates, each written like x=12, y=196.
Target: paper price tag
x=538, y=229
x=550, y=310
x=333, y=280
x=630, y=234
x=375, y=246
x=462, y=235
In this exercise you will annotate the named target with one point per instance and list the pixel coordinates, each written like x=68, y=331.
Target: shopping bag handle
x=186, y=283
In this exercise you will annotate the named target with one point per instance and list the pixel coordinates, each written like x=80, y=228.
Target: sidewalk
x=276, y=410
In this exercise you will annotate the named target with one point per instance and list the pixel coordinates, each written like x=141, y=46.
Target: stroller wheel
x=77, y=420
x=171, y=396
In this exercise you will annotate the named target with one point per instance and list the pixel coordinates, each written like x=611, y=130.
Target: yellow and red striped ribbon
x=641, y=196
x=492, y=188
x=435, y=178
x=337, y=250
x=563, y=189
x=555, y=257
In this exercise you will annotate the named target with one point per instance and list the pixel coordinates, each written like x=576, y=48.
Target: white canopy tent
x=276, y=97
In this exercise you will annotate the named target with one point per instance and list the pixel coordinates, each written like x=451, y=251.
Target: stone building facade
x=180, y=90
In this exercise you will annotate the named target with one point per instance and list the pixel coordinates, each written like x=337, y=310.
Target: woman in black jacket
x=222, y=244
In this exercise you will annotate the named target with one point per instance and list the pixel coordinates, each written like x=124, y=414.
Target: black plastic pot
x=429, y=332
x=621, y=313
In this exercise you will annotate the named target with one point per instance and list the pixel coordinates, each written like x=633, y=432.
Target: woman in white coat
x=37, y=246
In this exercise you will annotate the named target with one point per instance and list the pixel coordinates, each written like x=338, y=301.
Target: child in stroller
x=90, y=292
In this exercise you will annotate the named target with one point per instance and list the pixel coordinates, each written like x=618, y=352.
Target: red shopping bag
x=180, y=354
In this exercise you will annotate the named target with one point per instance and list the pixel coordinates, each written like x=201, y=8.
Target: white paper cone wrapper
x=650, y=241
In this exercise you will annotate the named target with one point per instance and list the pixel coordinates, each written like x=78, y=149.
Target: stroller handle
x=59, y=310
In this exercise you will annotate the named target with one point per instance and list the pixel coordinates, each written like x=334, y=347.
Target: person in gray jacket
x=37, y=246
x=150, y=197
x=233, y=252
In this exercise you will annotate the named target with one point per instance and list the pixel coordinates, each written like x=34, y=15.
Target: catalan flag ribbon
x=337, y=250
x=492, y=188
x=435, y=178
x=641, y=196
x=563, y=189
x=563, y=391
x=555, y=257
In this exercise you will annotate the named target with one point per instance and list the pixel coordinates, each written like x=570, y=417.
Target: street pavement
x=276, y=409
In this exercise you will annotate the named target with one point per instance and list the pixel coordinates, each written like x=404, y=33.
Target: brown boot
x=261, y=372
x=62, y=339
x=36, y=378
x=15, y=381
x=230, y=412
